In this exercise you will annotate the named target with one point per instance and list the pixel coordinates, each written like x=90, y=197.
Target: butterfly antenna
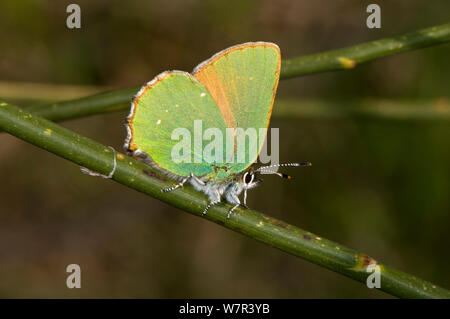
x=269, y=169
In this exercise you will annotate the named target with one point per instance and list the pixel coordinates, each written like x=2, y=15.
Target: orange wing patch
x=208, y=77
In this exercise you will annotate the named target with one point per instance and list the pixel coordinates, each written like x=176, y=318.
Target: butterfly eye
x=248, y=178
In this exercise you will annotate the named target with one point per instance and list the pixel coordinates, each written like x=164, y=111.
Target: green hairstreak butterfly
x=235, y=88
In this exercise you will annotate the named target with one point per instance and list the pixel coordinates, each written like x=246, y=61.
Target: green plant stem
x=345, y=58
x=46, y=92
x=432, y=109
x=350, y=57
x=436, y=109
x=94, y=104
x=132, y=173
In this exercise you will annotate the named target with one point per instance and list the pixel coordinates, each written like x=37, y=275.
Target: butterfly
x=235, y=88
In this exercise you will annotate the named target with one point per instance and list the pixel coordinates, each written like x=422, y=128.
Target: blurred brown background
x=380, y=186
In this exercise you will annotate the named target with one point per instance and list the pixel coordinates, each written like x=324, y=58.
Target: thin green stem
x=85, y=106
x=436, y=109
x=350, y=57
x=345, y=58
x=431, y=109
x=46, y=92
x=259, y=226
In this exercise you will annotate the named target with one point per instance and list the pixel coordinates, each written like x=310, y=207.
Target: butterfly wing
x=172, y=100
x=243, y=81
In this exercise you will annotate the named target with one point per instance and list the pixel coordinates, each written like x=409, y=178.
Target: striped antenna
x=269, y=169
x=282, y=165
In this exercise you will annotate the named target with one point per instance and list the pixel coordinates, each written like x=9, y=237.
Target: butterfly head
x=250, y=178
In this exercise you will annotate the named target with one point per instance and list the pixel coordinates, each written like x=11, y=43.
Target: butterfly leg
x=245, y=199
x=87, y=171
x=232, y=198
x=209, y=206
x=231, y=210
x=180, y=184
x=214, y=199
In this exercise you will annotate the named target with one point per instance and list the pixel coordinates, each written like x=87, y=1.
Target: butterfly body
x=214, y=185
x=233, y=89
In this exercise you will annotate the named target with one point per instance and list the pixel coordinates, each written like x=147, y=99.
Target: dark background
x=378, y=185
